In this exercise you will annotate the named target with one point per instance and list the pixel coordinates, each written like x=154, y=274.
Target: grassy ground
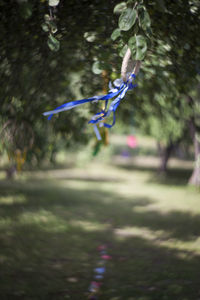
x=53, y=221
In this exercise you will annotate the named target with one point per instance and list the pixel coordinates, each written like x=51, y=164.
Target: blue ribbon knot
x=117, y=92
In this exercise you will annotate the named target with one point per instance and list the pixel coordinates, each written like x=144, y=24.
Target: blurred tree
x=46, y=57
x=169, y=74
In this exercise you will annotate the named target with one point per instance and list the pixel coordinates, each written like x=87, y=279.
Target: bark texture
x=165, y=155
x=195, y=177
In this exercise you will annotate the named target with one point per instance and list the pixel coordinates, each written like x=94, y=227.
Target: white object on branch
x=129, y=66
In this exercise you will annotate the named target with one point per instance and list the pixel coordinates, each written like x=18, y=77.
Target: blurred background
x=63, y=193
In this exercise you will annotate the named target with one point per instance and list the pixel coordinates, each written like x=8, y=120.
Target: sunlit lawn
x=53, y=221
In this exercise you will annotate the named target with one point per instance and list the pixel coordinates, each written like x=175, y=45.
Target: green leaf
x=45, y=27
x=141, y=45
x=116, y=33
x=138, y=47
x=148, y=32
x=90, y=36
x=130, y=2
x=119, y=8
x=53, y=26
x=53, y=43
x=144, y=19
x=53, y=2
x=54, y=29
x=132, y=46
x=123, y=51
x=96, y=68
x=127, y=19
x=47, y=18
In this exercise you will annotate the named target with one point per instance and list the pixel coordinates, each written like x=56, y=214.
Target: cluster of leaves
x=50, y=26
x=134, y=28
x=169, y=72
x=35, y=79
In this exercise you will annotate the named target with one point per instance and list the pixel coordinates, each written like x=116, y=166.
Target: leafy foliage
x=127, y=19
x=50, y=26
x=138, y=46
x=35, y=79
x=170, y=68
x=134, y=28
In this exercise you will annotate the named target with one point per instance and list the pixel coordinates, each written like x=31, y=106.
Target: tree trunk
x=10, y=172
x=166, y=152
x=195, y=177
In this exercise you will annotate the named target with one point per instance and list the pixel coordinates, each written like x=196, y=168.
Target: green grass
x=53, y=221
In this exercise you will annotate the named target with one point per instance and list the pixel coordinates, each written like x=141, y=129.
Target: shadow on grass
x=84, y=177
x=45, y=167
x=174, y=176
x=49, y=237
x=95, y=206
x=132, y=167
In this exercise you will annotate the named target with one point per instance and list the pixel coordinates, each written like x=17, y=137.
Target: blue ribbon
x=118, y=92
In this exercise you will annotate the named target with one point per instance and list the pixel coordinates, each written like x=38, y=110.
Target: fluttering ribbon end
x=117, y=92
